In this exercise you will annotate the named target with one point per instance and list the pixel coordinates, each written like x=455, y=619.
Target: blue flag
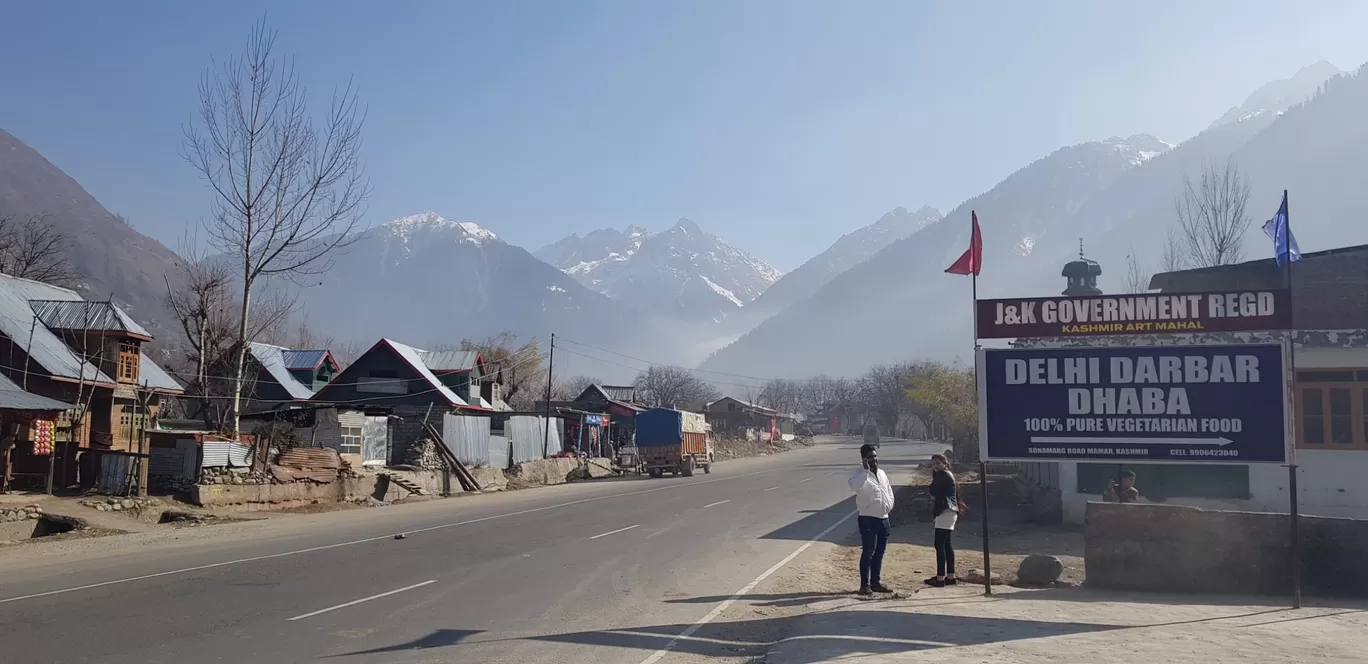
x=1284, y=243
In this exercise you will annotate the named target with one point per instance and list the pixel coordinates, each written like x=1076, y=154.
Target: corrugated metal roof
x=154, y=377
x=303, y=359
x=85, y=315
x=17, y=321
x=620, y=392
x=272, y=359
x=450, y=360
x=14, y=397
x=414, y=357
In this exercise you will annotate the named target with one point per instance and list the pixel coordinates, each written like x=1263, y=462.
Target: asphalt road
x=576, y=573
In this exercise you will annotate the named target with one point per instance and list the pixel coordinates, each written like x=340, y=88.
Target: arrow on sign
x=1055, y=440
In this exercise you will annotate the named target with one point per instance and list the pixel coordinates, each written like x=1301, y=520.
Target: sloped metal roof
x=14, y=397
x=303, y=359
x=272, y=359
x=450, y=360
x=620, y=392
x=85, y=315
x=414, y=357
x=154, y=377
x=19, y=323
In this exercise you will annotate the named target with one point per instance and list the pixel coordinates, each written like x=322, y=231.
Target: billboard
x=1143, y=404
x=1140, y=313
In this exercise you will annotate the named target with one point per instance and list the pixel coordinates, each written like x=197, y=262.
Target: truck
x=673, y=441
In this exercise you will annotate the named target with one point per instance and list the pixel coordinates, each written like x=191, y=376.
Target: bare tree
x=673, y=387
x=519, y=366
x=577, y=385
x=1211, y=215
x=287, y=193
x=34, y=249
x=1174, y=258
x=203, y=303
x=1135, y=280
x=785, y=396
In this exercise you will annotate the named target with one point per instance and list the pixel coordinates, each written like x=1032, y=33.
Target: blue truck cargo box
x=659, y=426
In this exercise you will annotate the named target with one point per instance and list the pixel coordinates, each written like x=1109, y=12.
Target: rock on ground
x=1038, y=570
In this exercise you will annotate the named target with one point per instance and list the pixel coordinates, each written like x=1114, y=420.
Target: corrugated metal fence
x=525, y=434
x=468, y=438
x=219, y=453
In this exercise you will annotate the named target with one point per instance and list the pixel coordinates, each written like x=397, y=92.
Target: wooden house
x=88, y=354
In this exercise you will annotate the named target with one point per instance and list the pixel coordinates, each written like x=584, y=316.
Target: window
x=1159, y=482
x=351, y=441
x=1332, y=409
x=128, y=363
x=382, y=382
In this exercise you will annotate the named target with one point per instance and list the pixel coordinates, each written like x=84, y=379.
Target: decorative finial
x=1080, y=248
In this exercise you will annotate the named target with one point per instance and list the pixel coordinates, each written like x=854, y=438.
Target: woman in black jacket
x=945, y=507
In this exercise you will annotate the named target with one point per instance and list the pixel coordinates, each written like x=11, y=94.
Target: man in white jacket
x=874, y=498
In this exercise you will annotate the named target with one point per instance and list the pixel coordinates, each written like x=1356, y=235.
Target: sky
x=778, y=125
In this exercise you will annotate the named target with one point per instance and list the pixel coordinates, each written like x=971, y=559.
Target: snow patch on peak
x=1139, y=148
x=405, y=227
x=722, y=291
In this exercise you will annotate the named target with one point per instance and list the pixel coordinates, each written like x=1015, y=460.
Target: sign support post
x=1291, y=424
x=983, y=467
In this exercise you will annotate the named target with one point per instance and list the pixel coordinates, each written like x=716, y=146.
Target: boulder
x=975, y=576
x=1038, y=570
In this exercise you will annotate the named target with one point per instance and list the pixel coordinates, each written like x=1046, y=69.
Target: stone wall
x=1187, y=549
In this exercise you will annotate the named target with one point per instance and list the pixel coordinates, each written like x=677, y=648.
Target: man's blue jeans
x=874, y=534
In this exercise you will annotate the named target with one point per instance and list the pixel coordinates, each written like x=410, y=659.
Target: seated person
x=1126, y=493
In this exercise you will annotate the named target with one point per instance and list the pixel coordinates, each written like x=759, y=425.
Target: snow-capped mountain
x=682, y=272
x=1025, y=222
x=1274, y=98
x=576, y=254
x=425, y=279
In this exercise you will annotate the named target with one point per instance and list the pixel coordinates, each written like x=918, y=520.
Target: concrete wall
x=1186, y=549
x=295, y=494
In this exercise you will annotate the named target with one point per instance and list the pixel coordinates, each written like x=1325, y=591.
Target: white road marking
x=716, y=504
x=325, y=547
x=805, y=480
x=770, y=489
x=365, y=599
x=717, y=610
x=613, y=532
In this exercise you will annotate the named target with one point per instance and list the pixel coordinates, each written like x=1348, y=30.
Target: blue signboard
x=1149, y=404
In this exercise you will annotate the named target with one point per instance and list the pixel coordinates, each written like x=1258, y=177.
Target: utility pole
x=550, y=371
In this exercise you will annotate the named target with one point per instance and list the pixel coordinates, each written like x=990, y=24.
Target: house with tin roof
x=286, y=376
x=55, y=344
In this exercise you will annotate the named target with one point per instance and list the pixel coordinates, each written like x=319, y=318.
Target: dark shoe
x=865, y=591
x=951, y=580
x=934, y=582
x=880, y=588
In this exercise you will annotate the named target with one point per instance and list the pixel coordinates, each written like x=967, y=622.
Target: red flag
x=972, y=259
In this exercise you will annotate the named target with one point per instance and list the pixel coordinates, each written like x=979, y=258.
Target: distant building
x=732, y=417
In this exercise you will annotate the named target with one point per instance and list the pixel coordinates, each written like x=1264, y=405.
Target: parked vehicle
x=871, y=434
x=673, y=441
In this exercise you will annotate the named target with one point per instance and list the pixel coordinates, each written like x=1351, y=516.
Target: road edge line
x=745, y=590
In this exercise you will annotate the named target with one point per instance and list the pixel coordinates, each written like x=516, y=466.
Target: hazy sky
x=777, y=125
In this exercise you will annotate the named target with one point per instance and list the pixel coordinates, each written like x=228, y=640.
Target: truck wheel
x=686, y=467
x=654, y=472
x=707, y=469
